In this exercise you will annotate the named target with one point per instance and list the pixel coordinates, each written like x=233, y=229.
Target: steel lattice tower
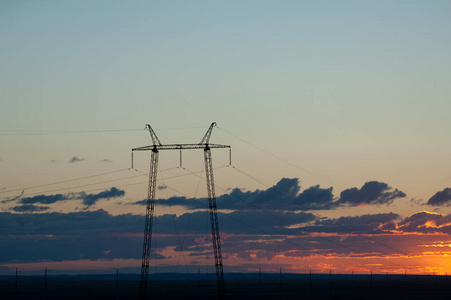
x=154, y=148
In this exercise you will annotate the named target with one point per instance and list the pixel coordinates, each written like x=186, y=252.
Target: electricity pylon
x=155, y=147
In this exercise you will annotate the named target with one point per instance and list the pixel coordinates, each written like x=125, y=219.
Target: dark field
x=238, y=286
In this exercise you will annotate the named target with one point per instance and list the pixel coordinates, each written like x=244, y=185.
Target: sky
x=337, y=113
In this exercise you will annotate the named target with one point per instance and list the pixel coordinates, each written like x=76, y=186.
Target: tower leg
x=148, y=224
x=214, y=223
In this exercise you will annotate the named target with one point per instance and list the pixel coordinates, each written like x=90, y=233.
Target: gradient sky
x=312, y=95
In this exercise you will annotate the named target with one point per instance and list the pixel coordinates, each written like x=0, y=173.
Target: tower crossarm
x=206, y=138
x=179, y=147
x=153, y=135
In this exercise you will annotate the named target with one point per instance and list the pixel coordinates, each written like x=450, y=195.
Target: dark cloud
x=75, y=159
x=316, y=198
x=372, y=192
x=249, y=235
x=84, y=222
x=257, y=222
x=106, y=160
x=282, y=196
x=192, y=203
x=29, y=208
x=140, y=202
x=13, y=198
x=91, y=199
x=69, y=236
x=320, y=247
x=254, y=225
x=285, y=196
x=87, y=199
x=377, y=223
x=44, y=199
x=237, y=222
x=162, y=187
x=422, y=222
x=278, y=197
x=442, y=198
x=91, y=234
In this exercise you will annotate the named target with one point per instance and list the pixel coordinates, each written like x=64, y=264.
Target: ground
x=316, y=287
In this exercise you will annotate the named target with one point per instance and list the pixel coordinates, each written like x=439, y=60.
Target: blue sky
x=364, y=83
x=346, y=92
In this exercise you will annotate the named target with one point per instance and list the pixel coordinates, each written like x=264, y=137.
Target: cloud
x=87, y=199
x=29, y=208
x=316, y=198
x=280, y=197
x=255, y=226
x=141, y=202
x=285, y=196
x=425, y=222
x=442, y=198
x=269, y=222
x=75, y=159
x=44, y=199
x=13, y=198
x=237, y=222
x=83, y=222
x=106, y=160
x=248, y=237
x=69, y=236
x=162, y=187
x=369, y=223
x=54, y=161
x=415, y=202
x=100, y=235
x=372, y=193
x=91, y=199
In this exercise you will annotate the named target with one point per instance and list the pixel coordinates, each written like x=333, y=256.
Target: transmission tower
x=155, y=148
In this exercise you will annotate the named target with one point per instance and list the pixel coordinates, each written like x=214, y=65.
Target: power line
x=71, y=180
x=79, y=186
x=289, y=163
x=281, y=159
x=9, y=132
x=45, y=132
x=64, y=181
x=175, y=226
x=313, y=174
x=91, y=184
